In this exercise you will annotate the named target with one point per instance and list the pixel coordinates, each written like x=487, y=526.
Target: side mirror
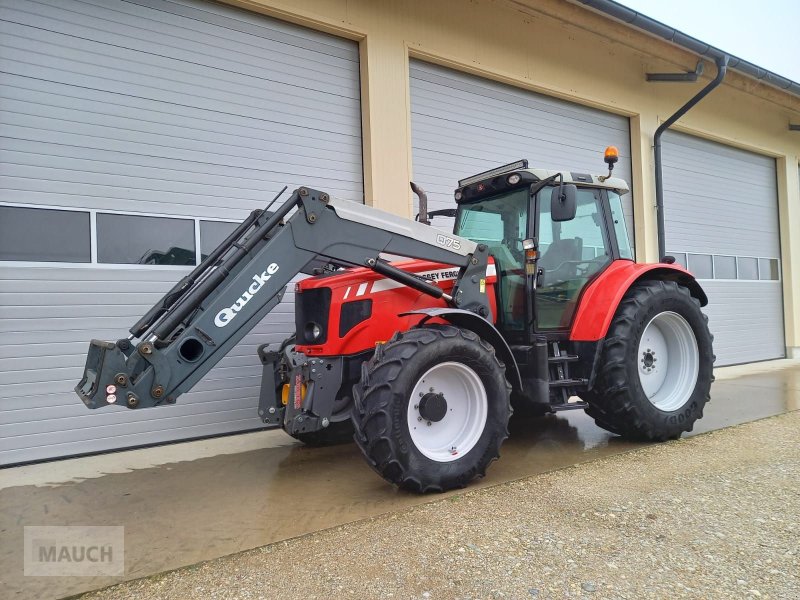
x=564, y=202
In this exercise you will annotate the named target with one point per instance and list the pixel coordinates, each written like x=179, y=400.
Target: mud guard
x=599, y=301
x=487, y=331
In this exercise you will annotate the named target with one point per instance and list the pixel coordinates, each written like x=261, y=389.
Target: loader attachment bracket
x=104, y=362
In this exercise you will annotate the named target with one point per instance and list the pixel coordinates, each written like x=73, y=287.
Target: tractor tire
x=432, y=408
x=333, y=435
x=654, y=375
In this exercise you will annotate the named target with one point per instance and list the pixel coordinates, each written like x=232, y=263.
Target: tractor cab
x=550, y=234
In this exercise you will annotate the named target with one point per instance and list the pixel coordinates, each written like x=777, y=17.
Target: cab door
x=571, y=253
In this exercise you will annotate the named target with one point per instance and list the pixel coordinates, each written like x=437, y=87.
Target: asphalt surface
x=181, y=511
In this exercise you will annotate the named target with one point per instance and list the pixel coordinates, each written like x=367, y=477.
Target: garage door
x=721, y=219
x=133, y=133
x=462, y=125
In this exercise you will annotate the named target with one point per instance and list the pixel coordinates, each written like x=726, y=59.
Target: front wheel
x=432, y=408
x=654, y=375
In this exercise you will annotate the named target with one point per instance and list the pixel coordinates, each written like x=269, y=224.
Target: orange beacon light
x=611, y=156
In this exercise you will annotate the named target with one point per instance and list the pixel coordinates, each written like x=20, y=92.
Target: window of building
x=680, y=258
x=44, y=235
x=212, y=234
x=701, y=266
x=748, y=267
x=727, y=267
x=724, y=267
x=137, y=240
x=768, y=269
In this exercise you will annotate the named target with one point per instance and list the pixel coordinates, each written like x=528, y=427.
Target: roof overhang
x=656, y=28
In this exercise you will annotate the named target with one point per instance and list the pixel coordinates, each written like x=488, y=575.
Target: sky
x=766, y=33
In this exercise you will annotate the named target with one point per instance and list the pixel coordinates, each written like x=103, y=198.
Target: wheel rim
x=462, y=424
x=668, y=361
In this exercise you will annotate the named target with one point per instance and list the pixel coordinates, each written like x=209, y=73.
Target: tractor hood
x=354, y=308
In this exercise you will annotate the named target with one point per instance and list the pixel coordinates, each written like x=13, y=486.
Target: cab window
x=620, y=228
x=500, y=222
x=572, y=252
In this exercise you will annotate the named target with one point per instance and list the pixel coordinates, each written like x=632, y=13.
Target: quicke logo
x=226, y=315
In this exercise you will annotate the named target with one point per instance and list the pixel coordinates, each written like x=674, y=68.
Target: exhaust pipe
x=422, y=215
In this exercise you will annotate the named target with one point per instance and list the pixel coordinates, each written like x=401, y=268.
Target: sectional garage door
x=132, y=134
x=721, y=218
x=462, y=125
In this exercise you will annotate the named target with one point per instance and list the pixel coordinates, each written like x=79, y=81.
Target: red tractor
x=533, y=302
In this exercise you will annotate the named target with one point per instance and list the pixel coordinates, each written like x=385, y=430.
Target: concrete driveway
x=185, y=503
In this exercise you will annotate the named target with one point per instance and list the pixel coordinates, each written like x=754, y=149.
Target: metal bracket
x=162, y=372
x=687, y=77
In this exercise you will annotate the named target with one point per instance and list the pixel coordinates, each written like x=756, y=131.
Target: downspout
x=722, y=67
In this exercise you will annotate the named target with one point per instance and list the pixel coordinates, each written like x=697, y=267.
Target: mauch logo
x=226, y=315
x=50, y=552
x=74, y=551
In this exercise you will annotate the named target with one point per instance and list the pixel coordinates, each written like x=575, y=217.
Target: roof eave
x=648, y=25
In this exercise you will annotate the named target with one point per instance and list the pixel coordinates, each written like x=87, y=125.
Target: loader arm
x=198, y=322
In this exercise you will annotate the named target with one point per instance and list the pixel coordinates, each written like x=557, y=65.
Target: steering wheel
x=588, y=263
x=582, y=267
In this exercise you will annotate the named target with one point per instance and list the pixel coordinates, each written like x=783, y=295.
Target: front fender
x=482, y=327
x=600, y=299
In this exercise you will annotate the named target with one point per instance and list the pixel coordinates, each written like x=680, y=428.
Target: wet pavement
x=185, y=512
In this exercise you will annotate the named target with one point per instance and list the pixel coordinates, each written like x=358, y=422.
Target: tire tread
x=375, y=394
x=611, y=403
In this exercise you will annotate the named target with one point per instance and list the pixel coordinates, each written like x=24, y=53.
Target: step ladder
x=563, y=387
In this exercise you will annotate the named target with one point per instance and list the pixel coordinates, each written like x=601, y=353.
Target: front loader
x=533, y=304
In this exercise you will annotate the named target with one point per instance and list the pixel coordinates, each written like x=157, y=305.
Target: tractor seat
x=560, y=260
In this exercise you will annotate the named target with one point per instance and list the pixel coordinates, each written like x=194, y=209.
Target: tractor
x=419, y=343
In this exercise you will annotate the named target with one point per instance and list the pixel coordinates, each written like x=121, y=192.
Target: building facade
x=136, y=133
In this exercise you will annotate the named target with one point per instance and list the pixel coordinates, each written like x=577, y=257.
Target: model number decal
x=226, y=315
x=448, y=242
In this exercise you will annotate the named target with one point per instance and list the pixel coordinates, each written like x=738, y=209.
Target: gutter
x=658, y=29
x=722, y=68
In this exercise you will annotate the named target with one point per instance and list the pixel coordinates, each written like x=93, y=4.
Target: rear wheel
x=655, y=372
x=432, y=408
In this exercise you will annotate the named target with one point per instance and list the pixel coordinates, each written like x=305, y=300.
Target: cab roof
x=533, y=175
x=580, y=179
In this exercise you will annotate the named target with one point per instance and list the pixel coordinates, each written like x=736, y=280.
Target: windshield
x=501, y=222
x=496, y=219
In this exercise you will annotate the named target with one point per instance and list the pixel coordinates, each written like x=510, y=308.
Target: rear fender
x=600, y=299
x=469, y=320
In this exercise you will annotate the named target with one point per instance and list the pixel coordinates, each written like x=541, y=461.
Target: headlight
x=311, y=315
x=313, y=331
x=514, y=178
